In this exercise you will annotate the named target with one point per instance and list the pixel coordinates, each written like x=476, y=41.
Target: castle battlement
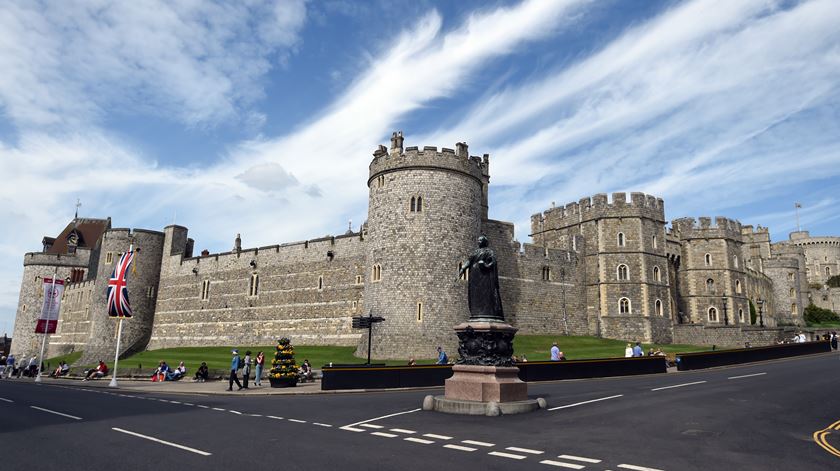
x=707, y=228
x=429, y=157
x=128, y=232
x=601, y=206
x=749, y=229
x=538, y=254
x=782, y=262
x=78, y=259
x=79, y=285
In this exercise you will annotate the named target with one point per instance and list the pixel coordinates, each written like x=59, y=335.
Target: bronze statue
x=484, y=299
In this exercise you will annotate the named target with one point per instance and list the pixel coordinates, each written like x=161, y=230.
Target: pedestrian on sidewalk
x=246, y=369
x=9, y=366
x=260, y=362
x=234, y=366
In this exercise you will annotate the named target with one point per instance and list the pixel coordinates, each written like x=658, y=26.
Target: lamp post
x=725, y=316
x=760, y=303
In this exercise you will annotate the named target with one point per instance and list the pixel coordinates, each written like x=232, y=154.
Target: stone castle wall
x=822, y=255
x=732, y=336
x=73, y=328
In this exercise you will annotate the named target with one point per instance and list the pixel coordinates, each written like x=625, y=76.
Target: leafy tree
x=753, y=315
x=818, y=315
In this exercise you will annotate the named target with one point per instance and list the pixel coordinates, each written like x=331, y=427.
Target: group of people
x=10, y=367
x=164, y=373
x=244, y=364
x=634, y=350
x=556, y=354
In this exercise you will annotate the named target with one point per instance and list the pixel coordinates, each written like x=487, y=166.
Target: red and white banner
x=52, y=302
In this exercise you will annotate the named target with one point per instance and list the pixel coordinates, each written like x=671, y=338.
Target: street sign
x=362, y=322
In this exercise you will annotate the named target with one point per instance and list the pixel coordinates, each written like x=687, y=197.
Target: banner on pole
x=52, y=304
x=118, y=305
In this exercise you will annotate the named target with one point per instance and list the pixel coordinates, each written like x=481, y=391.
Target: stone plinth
x=486, y=384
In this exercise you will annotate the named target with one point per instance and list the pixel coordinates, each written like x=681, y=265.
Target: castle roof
x=87, y=230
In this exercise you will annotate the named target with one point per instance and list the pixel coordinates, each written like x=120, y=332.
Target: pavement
x=766, y=416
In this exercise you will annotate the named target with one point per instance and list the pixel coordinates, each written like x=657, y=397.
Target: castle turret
x=426, y=209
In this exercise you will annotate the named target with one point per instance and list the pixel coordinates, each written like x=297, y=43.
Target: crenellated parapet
x=80, y=258
x=429, y=157
x=706, y=228
x=600, y=206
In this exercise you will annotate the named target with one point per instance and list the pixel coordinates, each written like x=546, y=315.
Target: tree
x=753, y=315
x=818, y=315
x=284, y=372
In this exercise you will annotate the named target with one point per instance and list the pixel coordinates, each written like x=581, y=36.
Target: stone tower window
x=658, y=308
x=546, y=273
x=358, y=279
x=621, y=241
x=710, y=285
x=622, y=272
x=419, y=204
x=657, y=275
x=713, y=316
x=792, y=293
x=735, y=261
x=741, y=315
x=419, y=312
x=624, y=306
x=23, y=308
x=794, y=309
x=790, y=276
x=109, y=257
x=254, y=288
x=708, y=259
x=416, y=204
x=380, y=181
x=320, y=283
x=150, y=292
x=205, y=290
x=828, y=272
x=413, y=206
x=738, y=286
x=654, y=241
x=355, y=305
x=376, y=273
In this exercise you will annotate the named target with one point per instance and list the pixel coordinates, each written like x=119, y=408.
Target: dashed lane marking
x=298, y=421
x=187, y=403
x=402, y=430
x=175, y=402
x=675, y=386
x=525, y=450
x=235, y=412
x=561, y=464
x=274, y=417
x=439, y=437
x=638, y=468
x=6, y=400
x=459, y=447
x=384, y=434
x=473, y=442
x=56, y=413
x=746, y=376
x=507, y=455
x=419, y=440
x=579, y=458
x=255, y=415
x=219, y=408
x=321, y=425
x=586, y=402
x=203, y=407
x=175, y=445
x=371, y=426
x=353, y=429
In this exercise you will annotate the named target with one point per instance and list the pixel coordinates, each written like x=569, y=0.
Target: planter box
x=283, y=382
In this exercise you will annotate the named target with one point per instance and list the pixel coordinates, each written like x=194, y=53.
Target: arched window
x=657, y=276
x=713, y=317
x=828, y=272
x=792, y=293
x=658, y=308
x=710, y=285
x=738, y=286
x=741, y=315
x=624, y=306
x=622, y=272
x=735, y=261
x=254, y=288
x=413, y=208
x=654, y=241
x=708, y=259
x=621, y=239
x=376, y=273
x=419, y=204
x=546, y=273
x=793, y=309
x=790, y=276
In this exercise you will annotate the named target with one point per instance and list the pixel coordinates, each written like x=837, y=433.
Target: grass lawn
x=534, y=347
x=824, y=325
x=69, y=358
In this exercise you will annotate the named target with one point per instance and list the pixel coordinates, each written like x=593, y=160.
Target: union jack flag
x=118, y=289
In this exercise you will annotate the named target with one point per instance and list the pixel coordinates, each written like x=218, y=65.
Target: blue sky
x=260, y=118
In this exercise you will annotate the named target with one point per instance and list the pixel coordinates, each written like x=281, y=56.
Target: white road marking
x=586, y=402
x=371, y=426
x=203, y=407
x=217, y=408
x=507, y=455
x=6, y=400
x=473, y=442
x=746, y=376
x=353, y=429
x=418, y=440
x=182, y=447
x=235, y=412
x=459, y=447
x=637, y=468
x=561, y=464
x=188, y=403
x=383, y=417
x=525, y=450
x=439, y=437
x=384, y=434
x=255, y=415
x=175, y=402
x=56, y=413
x=402, y=430
x=678, y=385
x=321, y=425
x=579, y=458
x=274, y=417
x=298, y=421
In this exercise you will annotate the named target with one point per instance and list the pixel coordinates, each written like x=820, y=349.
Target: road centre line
x=56, y=413
x=175, y=402
x=371, y=426
x=637, y=468
x=418, y=440
x=298, y=421
x=677, y=386
x=384, y=434
x=439, y=437
x=383, y=417
x=402, y=430
x=579, y=458
x=274, y=417
x=187, y=403
x=586, y=402
x=203, y=407
x=473, y=442
x=218, y=408
x=352, y=429
x=525, y=450
x=507, y=455
x=182, y=447
x=459, y=447
x=255, y=415
x=561, y=464
x=321, y=425
x=6, y=400
x=235, y=412
x=746, y=376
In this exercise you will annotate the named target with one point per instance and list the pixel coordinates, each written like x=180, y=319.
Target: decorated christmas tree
x=284, y=372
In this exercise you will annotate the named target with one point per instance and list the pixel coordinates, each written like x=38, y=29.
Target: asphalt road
x=761, y=416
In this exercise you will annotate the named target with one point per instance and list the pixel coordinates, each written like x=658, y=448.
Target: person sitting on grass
x=62, y=370
x=100, y=371
x=177, y=373
x=160, y=372
x=203, y=373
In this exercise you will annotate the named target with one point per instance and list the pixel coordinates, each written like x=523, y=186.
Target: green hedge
x=818, y=315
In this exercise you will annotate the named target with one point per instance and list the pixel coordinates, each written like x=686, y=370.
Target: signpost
x=362, y=322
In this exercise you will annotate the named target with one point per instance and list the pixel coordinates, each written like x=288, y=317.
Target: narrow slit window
x=419, y=312
x=254, y=288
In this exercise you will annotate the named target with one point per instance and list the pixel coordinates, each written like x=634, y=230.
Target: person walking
x=555, y=352
x=442, y=358
x=10, y=365
x=260, y=362
x=246, y=369
x=235, y=363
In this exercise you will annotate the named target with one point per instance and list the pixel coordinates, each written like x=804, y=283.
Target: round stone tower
x=142, y=281
x=425, y=214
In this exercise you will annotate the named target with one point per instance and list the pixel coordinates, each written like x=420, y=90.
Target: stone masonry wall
x=726, y=337
x=73, y=328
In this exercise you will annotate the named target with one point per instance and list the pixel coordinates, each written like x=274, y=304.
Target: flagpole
x=113, y=382
x=46, y=327
x=797, y=206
